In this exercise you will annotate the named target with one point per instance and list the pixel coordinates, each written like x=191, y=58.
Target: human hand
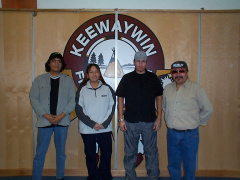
x=157, y=125
x=58, y=118
x=101, y=126
x=97, y=127
x=123, y=126
x=49, y=117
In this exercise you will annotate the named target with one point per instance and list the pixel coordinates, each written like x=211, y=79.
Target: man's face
x=179, y=75
x=140, y=66
x=55, y=65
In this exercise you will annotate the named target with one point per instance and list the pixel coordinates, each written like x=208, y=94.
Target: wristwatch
x=120, y=120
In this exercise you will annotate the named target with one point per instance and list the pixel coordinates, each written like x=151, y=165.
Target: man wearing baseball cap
x=141, y=90
x=53, y=99
x=186, y=106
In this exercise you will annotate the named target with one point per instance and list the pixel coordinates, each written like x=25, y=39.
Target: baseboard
x=117, y=173
x=218, y=173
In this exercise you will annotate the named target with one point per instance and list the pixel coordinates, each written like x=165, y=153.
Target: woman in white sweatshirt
x=95, y=106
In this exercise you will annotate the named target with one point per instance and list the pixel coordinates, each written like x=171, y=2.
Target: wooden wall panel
x=52, y=31
x=220, y=142
x=16, y=124
x=2, y=97
x=178, y=35
x=26, y=4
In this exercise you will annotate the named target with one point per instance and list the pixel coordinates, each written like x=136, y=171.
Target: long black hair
x=52, y=56
x=85, y=79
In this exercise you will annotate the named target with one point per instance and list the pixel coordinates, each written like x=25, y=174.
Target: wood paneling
x=219, y=149
x=16, y=121
x=219, y=143
x=178, y=36
x=26, y=4
x=51, y=33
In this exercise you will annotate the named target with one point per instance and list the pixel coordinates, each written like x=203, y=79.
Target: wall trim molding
x=118, y=173
x=121, y=10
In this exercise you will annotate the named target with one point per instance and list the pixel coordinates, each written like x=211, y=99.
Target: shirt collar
x=90, y=87
x=146, y=71
x=54, y=77
x=186, y=84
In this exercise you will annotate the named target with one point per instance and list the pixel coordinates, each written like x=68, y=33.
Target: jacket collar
x=47, y=75
x=90, y=87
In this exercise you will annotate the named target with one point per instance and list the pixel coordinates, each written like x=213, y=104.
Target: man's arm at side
x=206, y=108
x=157, y=124
x=122, y=124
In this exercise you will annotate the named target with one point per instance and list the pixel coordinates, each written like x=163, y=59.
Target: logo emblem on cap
x=177, y=65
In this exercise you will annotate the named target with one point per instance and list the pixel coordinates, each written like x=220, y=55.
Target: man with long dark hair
x=53, y=98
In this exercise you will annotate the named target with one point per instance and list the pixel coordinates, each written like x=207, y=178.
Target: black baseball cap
x=179, y=64
x=55, y=55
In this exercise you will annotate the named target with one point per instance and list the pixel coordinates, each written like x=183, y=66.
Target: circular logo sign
x=94, y=42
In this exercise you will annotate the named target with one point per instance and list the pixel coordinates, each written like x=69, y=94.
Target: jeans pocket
x=193, y=133
x=169, y=132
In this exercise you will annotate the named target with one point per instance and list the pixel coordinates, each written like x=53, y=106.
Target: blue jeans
x=104, y=141
x=149, y=140
x=182, y=147
x=43, y=141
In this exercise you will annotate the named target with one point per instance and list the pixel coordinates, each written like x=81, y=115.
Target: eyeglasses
x=178, y=71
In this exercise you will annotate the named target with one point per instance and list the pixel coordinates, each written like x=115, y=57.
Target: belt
x=187, y=130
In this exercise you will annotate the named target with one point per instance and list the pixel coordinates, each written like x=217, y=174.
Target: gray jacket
x=95, y=106
x=40, y=98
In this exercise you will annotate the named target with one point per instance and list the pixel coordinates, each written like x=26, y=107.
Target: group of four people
x=140, y=102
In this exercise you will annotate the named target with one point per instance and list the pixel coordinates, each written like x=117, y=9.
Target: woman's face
x=93, y=74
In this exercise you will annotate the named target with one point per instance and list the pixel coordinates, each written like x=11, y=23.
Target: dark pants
x=104, y=141
x=149, y=140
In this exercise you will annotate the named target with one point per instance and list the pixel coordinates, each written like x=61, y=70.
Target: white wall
x=140, y=4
